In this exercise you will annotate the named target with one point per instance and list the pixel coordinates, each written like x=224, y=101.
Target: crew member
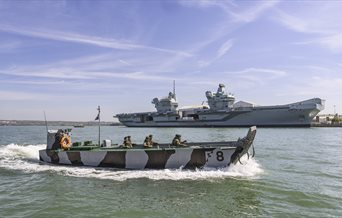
x=127, y=142
x=153, y=143
x=130, y=142
x=147, y=143
x=177, y=141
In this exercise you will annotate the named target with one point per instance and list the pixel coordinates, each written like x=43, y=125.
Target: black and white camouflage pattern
x=197, y=155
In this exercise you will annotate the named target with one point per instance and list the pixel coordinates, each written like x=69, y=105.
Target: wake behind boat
x=222, y=111
x=192, y=155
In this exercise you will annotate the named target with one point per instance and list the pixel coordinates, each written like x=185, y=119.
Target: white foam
x=26, y=158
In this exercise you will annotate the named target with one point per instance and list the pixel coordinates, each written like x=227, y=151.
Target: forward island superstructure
x=223, y=111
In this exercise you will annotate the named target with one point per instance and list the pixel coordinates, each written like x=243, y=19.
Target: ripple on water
x=296, y=172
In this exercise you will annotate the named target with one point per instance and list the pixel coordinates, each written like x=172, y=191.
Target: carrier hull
x=222, y=111
x=295, y=115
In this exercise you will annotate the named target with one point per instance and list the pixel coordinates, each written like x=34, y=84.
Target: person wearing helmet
x=177, y=141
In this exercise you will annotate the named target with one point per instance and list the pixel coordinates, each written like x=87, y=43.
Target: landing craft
x=223, y=111
x=60, y=150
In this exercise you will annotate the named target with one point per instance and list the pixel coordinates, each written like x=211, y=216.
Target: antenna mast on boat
x=99, y=119
x=47, y=129
x=174, y=89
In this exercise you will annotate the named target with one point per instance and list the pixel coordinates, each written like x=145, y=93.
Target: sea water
x=296, y=172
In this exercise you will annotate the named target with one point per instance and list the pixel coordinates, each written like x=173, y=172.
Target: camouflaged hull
x=196, y=155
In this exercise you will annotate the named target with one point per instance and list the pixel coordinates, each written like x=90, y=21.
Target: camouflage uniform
x=127, y=142
x=147, y=143
x=177, y=141
x=151, y=140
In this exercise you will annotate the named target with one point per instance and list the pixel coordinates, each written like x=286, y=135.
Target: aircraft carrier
x=223, y=111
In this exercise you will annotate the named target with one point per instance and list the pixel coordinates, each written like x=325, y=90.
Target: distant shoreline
x=55, y=123
x=326, y=125
x=77, y=124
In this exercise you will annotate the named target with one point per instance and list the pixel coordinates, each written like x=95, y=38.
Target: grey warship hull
x=295, y=115
x=222, y=111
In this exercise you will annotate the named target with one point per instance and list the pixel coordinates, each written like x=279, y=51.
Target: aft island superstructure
x=222, y=111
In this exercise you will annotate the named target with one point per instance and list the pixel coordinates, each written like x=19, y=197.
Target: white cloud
x=272, y=72
x=224, y=48
x=234, y=10
x=319, y=86
x=253, y=12
x=332, y=42
x=327, y=85
x=296, y=23
x=124, y=62
x=236, y=14
x=100, y=67
x=128, y=75
x=319, y=22
x=34, y=82
x=9, y=46
x=312, y=17
x=207, y=3
x=84, y=39
x=203, y=63
x=18, y=96
x=65, y=73
x=204, y=83
x=109, y=65
x=60, y=73
x=72, y=37
x=258, y=75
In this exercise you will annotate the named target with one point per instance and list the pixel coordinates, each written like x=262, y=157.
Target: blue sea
x=296, y=172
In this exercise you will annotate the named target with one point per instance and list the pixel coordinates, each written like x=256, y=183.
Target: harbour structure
x=327, y=118
x=223, y=111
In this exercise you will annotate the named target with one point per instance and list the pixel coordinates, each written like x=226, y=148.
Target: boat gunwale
x=226, y=145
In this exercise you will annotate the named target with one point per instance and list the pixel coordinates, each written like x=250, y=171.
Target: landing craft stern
x=243, y=146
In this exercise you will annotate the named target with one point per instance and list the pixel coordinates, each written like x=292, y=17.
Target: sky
x=68, y=57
